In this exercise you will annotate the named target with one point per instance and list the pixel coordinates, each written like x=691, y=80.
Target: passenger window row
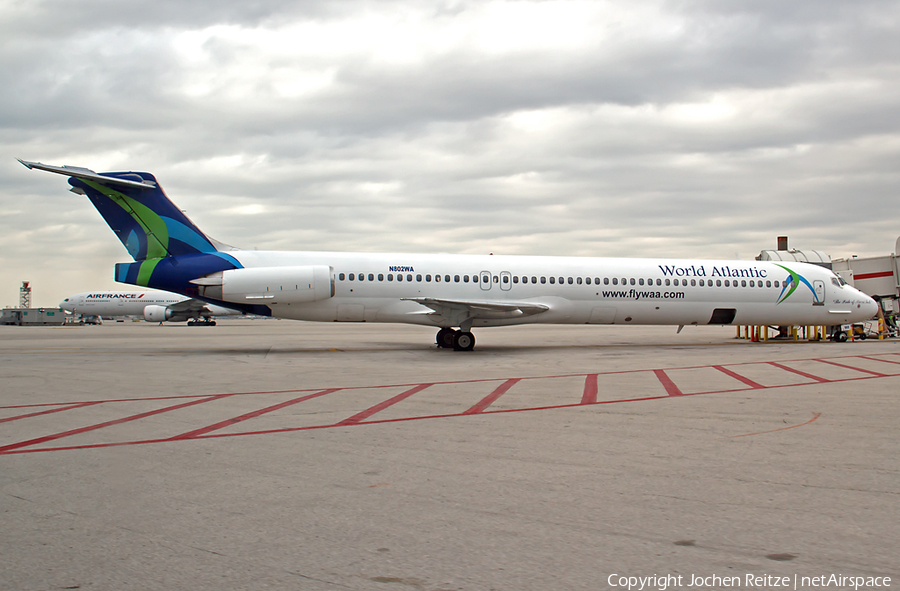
x=560, y=280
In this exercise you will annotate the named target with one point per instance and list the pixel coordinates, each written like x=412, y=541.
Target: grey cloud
x=425, y=156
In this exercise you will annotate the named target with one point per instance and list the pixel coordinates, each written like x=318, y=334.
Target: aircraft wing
x=188, y=306
x=461, y=309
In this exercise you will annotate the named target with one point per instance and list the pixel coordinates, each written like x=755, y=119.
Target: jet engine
x=269, y=285
x=157, y=314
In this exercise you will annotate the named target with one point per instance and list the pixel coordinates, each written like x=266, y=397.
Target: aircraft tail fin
x=147, y=223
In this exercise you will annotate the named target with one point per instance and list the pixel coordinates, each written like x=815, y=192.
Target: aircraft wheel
x=444, y=338
x=463, y=341
x=840, y=337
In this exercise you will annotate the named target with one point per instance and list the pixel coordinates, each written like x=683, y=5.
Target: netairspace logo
x=747, y=581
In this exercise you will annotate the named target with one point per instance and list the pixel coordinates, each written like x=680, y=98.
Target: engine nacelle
x=157, y=314
x=269, y=285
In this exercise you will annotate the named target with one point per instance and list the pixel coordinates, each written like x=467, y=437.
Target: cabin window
x=718, y=283
x=543, y=280
x=399, y=276
x=456, y=279
x=768, y=284
x=693, y=282
x=588, y=280
x=380, y=277
x=437, y=278
x=515, y=278
x=427, y=278
x=350, y=276
x=632, y=280
x=465, y=278
x=533, y=279
x=776, y=284
x=579, y=280
x=552, y=280
x=743, y=283
x=615, y=281
x=409, y=277
x=640, y=281
x=419, y=278
x=447, y=278
x=571, y=281
x=752, y=283
x=390, y=276
x=506, y=279
x=341, y=276
x=668, y=281
x=727, y=283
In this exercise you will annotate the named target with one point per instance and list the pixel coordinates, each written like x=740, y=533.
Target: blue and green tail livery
x=168, y=249
x=149, y=225
x=144, y=219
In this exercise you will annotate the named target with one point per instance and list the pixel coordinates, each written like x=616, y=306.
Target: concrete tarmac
x=265, y=454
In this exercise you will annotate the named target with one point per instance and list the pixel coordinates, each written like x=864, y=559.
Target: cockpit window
x=836, y=282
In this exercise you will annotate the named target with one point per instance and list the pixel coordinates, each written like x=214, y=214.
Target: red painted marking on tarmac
x=481, y=407
x=798, y=372
x=589, y=396
x=329, y=426
x=836, y=364
x=39, y=440
x=816, y=415
x=879, y=359
x=47, y=412
x=491, y=398
x=360, y=417
x=251, y=415
x=739, y=377
x=668, y=384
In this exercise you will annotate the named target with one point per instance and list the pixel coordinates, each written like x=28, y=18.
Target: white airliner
x=454, y=293
x=153, y=306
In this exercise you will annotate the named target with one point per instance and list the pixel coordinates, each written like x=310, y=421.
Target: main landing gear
x=458, y=340
x=206, y=322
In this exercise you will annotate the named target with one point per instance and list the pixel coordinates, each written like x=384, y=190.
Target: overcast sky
x=699, y=129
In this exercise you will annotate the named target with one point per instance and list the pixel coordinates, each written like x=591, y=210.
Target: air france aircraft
x=153, y=306
x=454, y=293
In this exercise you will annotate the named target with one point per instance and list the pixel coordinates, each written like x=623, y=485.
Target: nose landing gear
x=458, y=340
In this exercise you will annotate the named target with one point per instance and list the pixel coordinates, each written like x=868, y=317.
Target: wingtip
x=28, y=165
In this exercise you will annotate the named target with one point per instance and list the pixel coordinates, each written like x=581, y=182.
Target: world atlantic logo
x=792, y=283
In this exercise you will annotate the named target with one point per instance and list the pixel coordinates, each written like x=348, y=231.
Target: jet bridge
x=878, y=277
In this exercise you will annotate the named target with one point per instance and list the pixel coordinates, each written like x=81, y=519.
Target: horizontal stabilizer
x=89, y=175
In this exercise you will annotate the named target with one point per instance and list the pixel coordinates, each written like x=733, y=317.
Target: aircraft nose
x=871, y=307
